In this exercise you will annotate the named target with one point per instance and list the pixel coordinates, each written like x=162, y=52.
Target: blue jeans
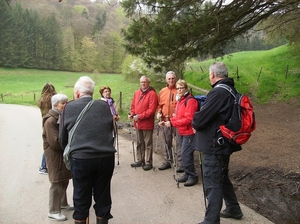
x=217, y=186
x=92, y=178
x=43, y=164
x=187, y=155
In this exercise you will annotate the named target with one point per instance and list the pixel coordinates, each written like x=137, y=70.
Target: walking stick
x=117, y=138
x=175, y=174
x=139, y=142
x=201, y=170
x=133, y=151
x=156, y=144
x=173, y=165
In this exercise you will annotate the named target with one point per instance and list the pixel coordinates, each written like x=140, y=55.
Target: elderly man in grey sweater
x=91, y=152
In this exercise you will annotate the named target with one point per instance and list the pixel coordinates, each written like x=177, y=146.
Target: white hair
x=85, y=85
x=57, y=98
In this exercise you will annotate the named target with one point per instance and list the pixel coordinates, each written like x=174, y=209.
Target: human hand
x=136, y=117
x=161, y=123
x=159, y=116
x=168, y=124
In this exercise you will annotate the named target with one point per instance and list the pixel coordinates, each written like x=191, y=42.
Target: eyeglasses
x=180, y=88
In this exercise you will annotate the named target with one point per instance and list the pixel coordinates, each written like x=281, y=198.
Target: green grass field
x=24, y=86
x=264, y=75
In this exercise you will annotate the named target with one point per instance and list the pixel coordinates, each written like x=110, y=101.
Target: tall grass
x=265, y=75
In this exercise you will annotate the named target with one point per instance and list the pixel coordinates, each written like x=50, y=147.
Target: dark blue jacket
x=215, y=111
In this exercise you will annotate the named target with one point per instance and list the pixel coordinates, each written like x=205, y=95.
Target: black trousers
x=217, y=186
x=92, y=177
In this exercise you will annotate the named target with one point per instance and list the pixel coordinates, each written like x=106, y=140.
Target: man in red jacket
x=143, y=108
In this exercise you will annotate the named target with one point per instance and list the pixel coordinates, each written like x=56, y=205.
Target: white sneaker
x=57, y=217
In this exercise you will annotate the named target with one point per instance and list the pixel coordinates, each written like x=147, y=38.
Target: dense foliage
x=68, y=35
x=167, y=32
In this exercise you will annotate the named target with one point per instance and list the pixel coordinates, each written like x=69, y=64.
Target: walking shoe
x=147, y=167
x=164, y=166
x=43, y=171
x=191, y=182
x=180, y=170
x=136, y=164
x=67, y=207
x=182, y=179
x=57, y=217
x=237, y=214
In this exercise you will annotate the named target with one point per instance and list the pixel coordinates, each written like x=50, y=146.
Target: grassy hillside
x=265, y=75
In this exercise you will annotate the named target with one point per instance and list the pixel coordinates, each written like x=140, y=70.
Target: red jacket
x=184, y=115
x=144, y=104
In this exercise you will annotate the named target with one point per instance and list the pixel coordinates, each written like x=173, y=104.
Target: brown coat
x=57, y=170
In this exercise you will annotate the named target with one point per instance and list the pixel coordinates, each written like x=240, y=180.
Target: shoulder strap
x=187, y=98
x=224, y=86
x=80, y=116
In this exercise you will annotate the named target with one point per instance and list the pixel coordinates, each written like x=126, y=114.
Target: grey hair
x=145, y=77
x=220, y=69
x=57, y=98
x=85, y=85
x=170, y=73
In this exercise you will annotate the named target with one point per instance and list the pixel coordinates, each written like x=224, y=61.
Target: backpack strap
x=186, y=99
x=224, y=86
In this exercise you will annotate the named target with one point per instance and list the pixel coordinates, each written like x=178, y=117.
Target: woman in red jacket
x=182, y=120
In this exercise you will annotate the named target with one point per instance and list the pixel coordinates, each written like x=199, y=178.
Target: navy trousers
x=92, y=177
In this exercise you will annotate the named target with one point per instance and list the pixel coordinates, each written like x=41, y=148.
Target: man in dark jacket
x=91, y=150
x=215, y=150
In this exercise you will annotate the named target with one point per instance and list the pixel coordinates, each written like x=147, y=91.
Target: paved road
x=138, y=197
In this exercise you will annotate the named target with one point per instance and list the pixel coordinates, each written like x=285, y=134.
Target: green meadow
x=272, y=75
x=264, y=75
x=24, y=86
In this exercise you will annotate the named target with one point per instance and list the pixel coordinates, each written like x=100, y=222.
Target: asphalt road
x=141, y=197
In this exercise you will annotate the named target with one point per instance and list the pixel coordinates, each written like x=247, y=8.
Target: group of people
x=92, y=143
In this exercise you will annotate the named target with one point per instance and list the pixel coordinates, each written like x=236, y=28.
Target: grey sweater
x=93, y=137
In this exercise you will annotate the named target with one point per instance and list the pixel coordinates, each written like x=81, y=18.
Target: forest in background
x=70, y=35
x=73, y=35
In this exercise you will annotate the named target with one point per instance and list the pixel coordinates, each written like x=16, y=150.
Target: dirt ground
x=266, y=173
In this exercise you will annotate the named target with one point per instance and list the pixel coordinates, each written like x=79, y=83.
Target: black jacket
x=215, y=111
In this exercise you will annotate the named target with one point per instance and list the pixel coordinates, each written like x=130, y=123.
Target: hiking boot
x=57, y=217
x=147, y=167
x=164, y=166
x=180, y=170
x=182, y=179
x=191, y=182
x=136, y=164
x=237, y=214
x=43, y=171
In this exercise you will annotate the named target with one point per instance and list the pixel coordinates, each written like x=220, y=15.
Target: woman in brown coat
x=58, y=174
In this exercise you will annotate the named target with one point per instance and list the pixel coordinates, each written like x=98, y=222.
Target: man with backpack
x=216, y=151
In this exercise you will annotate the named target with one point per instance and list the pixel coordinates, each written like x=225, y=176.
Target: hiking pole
x=139, y=142
x=175, y=174
x=201, y=170
x=131, y=133
x=117, y=138
x=155, y=151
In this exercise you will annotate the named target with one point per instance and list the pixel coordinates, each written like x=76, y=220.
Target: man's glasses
x=180, y=88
